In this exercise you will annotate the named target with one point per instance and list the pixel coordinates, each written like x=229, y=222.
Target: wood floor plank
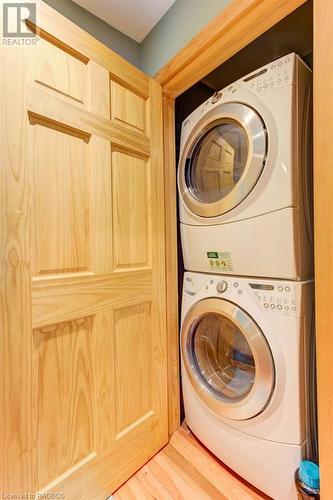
x=141, y=491
x=125, y=493
x=190, y=475
x=184, y=470
x=151, y=485
x=169, y=482
x=221, y=478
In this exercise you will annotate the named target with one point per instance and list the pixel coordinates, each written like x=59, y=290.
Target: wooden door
x=83, y=338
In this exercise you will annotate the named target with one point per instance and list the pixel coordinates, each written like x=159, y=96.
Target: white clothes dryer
x=244, y=363
x=244, y=176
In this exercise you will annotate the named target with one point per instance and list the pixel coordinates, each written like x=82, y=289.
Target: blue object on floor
x=309, y=474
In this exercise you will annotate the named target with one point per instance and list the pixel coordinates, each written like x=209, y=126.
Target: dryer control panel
x=272, y=76
x=270, y=296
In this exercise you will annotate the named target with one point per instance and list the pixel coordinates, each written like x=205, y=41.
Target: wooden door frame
x=231, y=30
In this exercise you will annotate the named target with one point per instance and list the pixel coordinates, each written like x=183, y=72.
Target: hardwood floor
x=185, y=470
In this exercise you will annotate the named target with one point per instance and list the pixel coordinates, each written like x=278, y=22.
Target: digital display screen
x=258, y=286
x=259, y=73
x=213, y=255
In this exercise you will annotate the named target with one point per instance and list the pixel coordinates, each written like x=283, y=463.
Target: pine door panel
x=131, y=211
x=85, y=273
x=61, y=72
x=65, y=397
x=133, y=347
x=60, y=193
x=129, y=108
x=59, y=68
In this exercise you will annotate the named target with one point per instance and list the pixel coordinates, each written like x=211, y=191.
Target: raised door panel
x=61, y=200
x=129, y=108
x=59, y=68
x=63, y=72
x=68, y=74
x=65, y=393
x=133, y=366
x=131, y=194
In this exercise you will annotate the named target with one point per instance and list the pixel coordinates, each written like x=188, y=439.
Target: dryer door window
x=218, y=162
x=227, y=359
x=222, y=160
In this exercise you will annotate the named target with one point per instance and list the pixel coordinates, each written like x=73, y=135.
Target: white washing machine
x=244, y=351
x=244, y=176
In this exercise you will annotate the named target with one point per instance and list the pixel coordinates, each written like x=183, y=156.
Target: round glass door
x=218, y=162
x=227, y=359
x=222, y=357
x=222, y=160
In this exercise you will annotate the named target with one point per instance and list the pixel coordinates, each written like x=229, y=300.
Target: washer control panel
x=271, y=296
x=274, y=297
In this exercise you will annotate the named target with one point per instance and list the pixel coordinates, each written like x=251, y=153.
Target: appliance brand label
x=219, y=261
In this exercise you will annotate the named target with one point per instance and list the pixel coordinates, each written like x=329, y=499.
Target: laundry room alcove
x=294, y=33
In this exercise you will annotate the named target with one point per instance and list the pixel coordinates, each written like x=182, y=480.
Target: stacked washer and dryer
x=244, y=181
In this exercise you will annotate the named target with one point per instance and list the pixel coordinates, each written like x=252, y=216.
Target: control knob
x=216, y=97
x=222, y=286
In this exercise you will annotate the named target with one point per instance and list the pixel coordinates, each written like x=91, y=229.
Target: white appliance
x=244, y=176
x=244, y=351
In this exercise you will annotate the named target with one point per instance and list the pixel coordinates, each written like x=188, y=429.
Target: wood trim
x=159, y=285
x=36, y=119
x=170, y=184
x=323, y=216
x=235, y=27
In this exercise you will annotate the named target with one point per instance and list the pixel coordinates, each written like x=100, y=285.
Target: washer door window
x=223, y=160
x=227, y=359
